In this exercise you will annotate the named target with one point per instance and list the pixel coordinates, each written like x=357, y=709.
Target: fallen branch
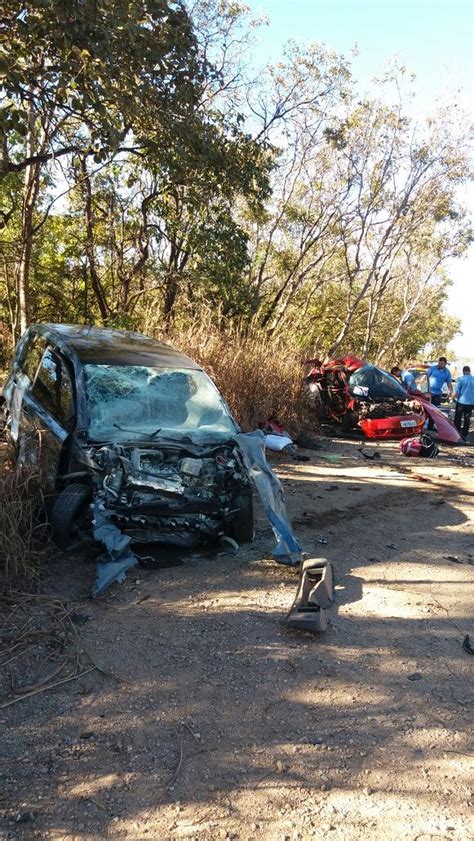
x=182, y=760
x=45, y=688
x=448, y=615
x=460, y=752
x=27, y=690
x=175, y=775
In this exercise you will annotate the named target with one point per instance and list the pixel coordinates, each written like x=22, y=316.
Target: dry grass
x=259, y=377
x=22, y=527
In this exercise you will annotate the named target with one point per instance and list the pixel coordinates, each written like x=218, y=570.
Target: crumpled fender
x=447, y=432
x=270, y=491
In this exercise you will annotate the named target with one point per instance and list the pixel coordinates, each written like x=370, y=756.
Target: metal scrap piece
x=169, y=485
x=118, y=557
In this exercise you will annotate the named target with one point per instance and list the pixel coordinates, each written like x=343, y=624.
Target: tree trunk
x=90, y=242
x=30, y=195
x=4, y=158
x=342, y=333
x=171, y=292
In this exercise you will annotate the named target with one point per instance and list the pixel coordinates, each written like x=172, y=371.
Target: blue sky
x=432, y=38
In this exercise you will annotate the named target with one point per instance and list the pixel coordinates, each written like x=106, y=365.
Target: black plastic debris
x=466, y=645
x=372, y=456
x=79, y=618
x=295, y=453
x=314, y=594
x=307, y=442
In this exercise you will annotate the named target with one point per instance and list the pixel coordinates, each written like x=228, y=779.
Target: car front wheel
x=241, y=527
x=69, y=509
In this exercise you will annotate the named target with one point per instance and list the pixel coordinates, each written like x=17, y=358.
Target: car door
x=421, y=381
x=25, y=364
x=47, y=415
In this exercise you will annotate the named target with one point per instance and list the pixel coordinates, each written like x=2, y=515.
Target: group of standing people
x=439, y=376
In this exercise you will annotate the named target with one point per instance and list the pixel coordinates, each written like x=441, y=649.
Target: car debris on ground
x=314, y=594
x=279, y=440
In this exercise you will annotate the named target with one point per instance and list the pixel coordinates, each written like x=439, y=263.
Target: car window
x=66, y=395
x=53, y=388
x=32, y=356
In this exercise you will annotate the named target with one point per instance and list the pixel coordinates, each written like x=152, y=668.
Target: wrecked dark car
x=357, y=395
x=132, y=438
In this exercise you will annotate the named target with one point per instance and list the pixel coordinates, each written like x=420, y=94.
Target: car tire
x=349, y=421
x=67, y=509
x=242, y=527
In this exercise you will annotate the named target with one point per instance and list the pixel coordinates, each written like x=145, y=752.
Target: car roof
x=108, y=347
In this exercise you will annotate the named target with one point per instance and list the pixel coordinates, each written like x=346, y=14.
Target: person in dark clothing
x=464, y=397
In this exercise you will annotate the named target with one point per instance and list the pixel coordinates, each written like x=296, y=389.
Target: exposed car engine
x=169, y=492
x=388, y=408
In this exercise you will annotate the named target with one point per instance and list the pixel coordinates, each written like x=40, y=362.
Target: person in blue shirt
x=464, y=397
x=408, y=381
x=438, y=376
x=406, y=378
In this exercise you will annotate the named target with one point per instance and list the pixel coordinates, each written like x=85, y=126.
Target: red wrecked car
x=355, y=394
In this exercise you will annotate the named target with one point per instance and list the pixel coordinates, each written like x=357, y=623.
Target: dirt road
x=230, y=726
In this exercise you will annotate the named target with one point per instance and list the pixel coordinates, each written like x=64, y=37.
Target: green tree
x=96, y=81
x=91, y=74
x=90, y=77
x=364, y=207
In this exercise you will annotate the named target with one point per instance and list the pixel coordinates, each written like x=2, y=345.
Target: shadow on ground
x=220, y=719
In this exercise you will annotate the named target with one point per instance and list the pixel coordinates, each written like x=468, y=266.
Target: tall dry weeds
x=259, y=377
x=22, y=528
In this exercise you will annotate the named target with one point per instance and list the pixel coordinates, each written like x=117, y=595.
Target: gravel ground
x=209, y=719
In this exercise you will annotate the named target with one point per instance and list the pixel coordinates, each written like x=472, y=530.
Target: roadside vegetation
x=22, y=526
x=260, y=377
x=148, y=182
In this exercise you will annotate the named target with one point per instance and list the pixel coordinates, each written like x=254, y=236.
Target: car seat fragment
x=270, y=491
x=283, y=443
x=277, y=442
x=314, y=594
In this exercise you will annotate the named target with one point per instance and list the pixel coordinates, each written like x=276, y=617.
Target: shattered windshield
x=376, y=384
x=153, y=402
